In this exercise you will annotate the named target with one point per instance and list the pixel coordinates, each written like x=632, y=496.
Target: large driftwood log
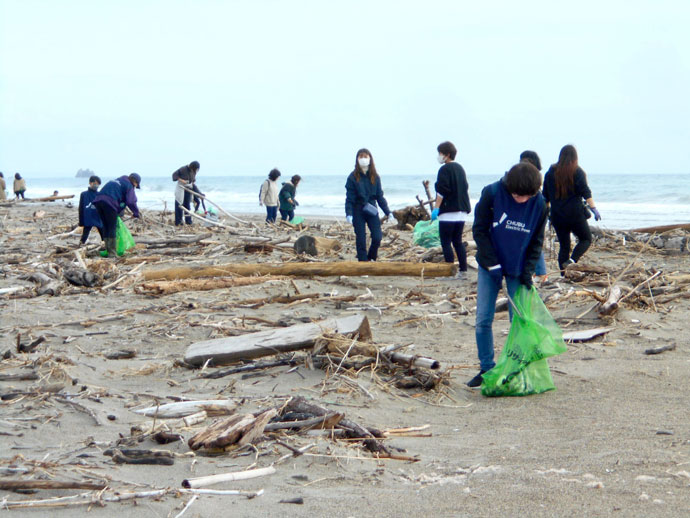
x=175, y=241
x=662, y=228
x=168, y=287
x=315, y=246
x=273, y=341
x=51, y=198
x=14, y=485
x=409, y=216
x=352, y=268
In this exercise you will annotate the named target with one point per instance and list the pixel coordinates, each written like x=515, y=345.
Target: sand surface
x=612, y=440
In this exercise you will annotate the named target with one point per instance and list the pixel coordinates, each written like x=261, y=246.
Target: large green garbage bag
x=522, y=368
x=425, y=234
x=123, y=237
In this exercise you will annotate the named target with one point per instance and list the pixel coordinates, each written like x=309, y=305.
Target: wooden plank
x=584, y=335
x=273, y=341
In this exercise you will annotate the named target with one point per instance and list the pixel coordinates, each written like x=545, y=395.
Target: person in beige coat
x=3, y=186
x=268, y=195
x=19, y=186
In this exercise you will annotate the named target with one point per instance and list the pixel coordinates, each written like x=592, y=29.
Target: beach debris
x=133, y=456
x=191, y=483
x=611, y=305
x=661, y=349
x=187, y=408
x=273, y=341
x=584, y=335
x=176, y=286
x=80, y=277
x=234, y=431
x=315, y=246
x=24, y=485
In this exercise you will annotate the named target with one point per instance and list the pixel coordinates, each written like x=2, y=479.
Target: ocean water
x=625, y=201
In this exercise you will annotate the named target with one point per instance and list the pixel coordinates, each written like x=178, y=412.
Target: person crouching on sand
x=509, y=221
x=362, y=192
x=111, y=201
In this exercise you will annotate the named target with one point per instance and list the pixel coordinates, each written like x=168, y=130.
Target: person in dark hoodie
x=85, y=200
x=287, y=198
x=185, y=176
x=565, y=186
x=111, y=201
x=362, y=192
x=452, y=206
x=509, y=221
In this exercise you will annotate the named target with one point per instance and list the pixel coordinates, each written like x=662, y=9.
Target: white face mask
x=441, y=158
x=364, y=162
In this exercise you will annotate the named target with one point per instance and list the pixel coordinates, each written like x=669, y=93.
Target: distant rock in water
x=84, y=173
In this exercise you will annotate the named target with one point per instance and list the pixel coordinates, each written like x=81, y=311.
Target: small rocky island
x=84, y=173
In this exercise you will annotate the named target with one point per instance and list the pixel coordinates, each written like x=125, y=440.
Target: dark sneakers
x=476, y=381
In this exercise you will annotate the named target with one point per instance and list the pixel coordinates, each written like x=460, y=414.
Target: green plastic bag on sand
x=124, y=239
x=425, y=234
x=522, y=368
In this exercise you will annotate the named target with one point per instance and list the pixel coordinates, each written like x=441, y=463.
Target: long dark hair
x=565, y=171
x=373, y=175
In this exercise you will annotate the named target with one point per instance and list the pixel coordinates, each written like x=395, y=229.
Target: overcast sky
x=243, y=86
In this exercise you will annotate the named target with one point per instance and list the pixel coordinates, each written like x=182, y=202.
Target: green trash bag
x=124, y=239
x=425, y=234
x=522, y=368
x=296, y=220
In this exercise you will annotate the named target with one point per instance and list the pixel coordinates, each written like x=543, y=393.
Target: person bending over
x=111, y=201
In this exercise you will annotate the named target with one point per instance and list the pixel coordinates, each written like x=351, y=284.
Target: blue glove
x=349, y=219
x=496, y=275
x=434, y=214
x=597, y=216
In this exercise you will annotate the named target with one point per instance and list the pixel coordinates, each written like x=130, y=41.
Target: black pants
x=85, y=233
x=108, y=218
x=580, y=228
x=450, y=233
x=287, y=214
x=360, y=221
x=179, y=212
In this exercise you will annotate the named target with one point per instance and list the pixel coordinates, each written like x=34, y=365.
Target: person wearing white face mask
x=362, y=193
x=452, y=206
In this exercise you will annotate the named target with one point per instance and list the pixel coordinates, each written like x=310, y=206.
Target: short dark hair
x=194, y=165
x=2, y=175
x=448, y=149
x=532, y=158
x=274, y=174
x=523, y=179
x=295, y=179
x=95, y=178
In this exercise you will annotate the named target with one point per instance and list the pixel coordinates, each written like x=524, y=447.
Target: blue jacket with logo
x=508, y=233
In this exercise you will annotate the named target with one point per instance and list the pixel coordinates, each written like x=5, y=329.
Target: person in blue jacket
x=85, y=200
x=111, y=201
x=509, y=221
x=362, y=193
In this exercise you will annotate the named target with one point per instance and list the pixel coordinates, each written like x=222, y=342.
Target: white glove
x=349, y=219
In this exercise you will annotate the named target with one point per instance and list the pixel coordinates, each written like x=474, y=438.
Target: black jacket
x=184, y=173
x=570, y=207
x=451, y=183
x=481, y=231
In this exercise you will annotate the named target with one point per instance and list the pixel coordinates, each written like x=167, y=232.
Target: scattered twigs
x=130, y=273
x=204, y=197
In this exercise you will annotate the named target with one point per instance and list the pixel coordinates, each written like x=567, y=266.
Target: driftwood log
x=17, y=485
x=237, y=430
x=168, y=287
x=611, y=305
x=352, y=268
x=185, y=408
x=273, y=341
x=408, y=217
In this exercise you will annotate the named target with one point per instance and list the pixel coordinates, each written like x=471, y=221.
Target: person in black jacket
x=509, y=221
x=452, y=206
x=287, y=200
x=85, y=199
x=185, y=176
x=362, y=192
x=565, y=186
